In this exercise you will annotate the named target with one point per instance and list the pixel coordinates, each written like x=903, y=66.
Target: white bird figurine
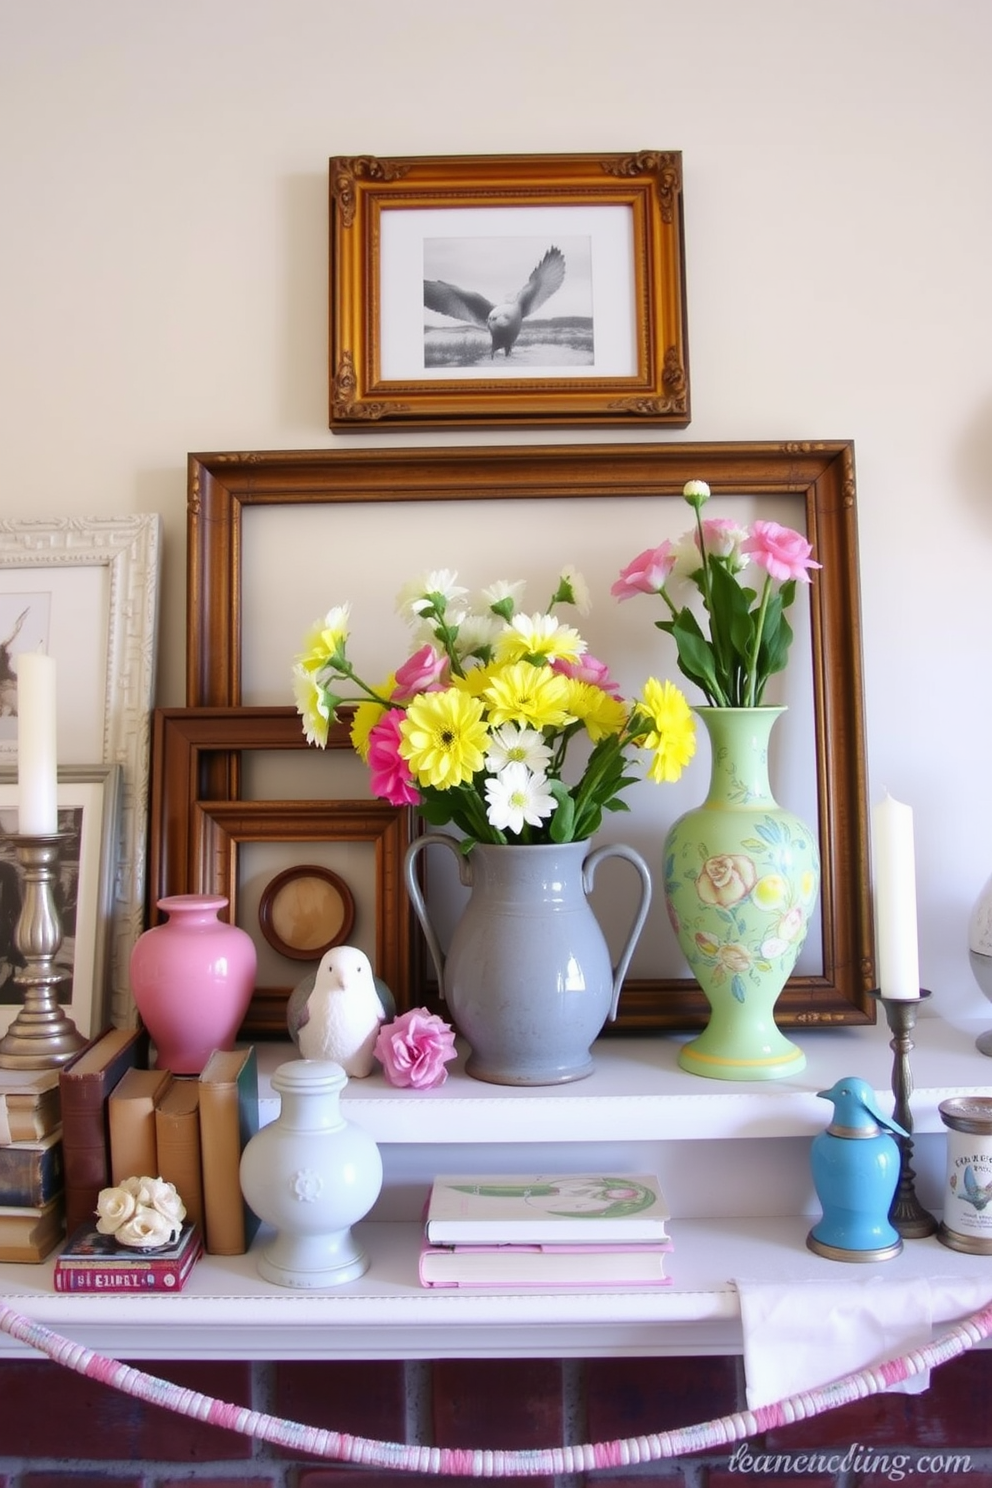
x=343, y=1012
x=503, y=321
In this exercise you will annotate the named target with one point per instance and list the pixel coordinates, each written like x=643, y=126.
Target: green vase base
x=700, y=1057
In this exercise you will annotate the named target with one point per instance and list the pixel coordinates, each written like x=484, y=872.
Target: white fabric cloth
x=799, y=1335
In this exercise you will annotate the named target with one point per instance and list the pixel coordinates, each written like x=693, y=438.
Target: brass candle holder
x=907, y=1214
x=42, y=1035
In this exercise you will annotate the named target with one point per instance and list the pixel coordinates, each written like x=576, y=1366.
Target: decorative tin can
x=967, y=1222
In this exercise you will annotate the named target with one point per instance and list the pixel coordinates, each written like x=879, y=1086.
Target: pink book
x=582, y=1266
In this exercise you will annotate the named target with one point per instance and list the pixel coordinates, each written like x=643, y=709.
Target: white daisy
x=511, y=745
x=515, y=796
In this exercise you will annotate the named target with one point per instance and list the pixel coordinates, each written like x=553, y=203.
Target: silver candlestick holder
x=42, y=1035
x=907, y=1214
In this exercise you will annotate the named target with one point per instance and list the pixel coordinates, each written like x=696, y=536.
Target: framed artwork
x=222, y=833
x=86, y=588
x=88, y=803
x=253, y=850
x=252, y=597
x=507, y=290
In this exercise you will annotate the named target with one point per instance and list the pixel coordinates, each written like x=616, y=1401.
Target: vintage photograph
x=25, y=622
x=521, y=298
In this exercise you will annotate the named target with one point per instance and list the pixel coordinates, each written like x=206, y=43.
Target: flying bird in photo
x=504, y=320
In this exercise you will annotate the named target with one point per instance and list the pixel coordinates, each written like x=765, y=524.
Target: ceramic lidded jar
x=192, y=979
x=311, y=1174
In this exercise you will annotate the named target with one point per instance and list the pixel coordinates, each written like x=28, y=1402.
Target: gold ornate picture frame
x=507, y=290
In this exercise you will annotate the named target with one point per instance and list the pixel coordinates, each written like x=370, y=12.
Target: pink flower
x=414, y=1049
x=645, y=574
x=781, y=551
x=420, y=672
x=389, y=773
x=588, y=669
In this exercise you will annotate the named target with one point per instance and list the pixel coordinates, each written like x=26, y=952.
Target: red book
x=91, y=1262
x=84, y=1086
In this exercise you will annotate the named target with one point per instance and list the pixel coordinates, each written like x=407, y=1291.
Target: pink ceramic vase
x=192, y=979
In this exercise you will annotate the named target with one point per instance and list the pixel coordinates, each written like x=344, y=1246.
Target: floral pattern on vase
x=741, y=882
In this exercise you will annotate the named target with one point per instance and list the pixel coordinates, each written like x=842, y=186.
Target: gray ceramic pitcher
x=528, y=978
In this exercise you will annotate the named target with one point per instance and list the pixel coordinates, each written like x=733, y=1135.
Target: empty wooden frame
x=195, y=837
x=818, y=477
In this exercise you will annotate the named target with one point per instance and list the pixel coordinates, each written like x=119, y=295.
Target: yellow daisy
x=526, y=694
x=443, y=738
x=670, y=731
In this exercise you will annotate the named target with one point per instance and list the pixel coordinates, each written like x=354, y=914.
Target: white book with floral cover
x=546, y=1209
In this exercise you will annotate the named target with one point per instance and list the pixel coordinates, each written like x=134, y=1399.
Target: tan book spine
x=177, y=1136
x=131, y=1120
x=228, y=1119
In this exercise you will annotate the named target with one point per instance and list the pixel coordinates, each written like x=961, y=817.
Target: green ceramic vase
x=741, y=880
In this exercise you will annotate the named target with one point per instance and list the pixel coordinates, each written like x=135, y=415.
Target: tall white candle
x=894, y=877
x=37, y=768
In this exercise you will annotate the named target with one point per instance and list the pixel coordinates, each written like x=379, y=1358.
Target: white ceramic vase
x=311, y=1175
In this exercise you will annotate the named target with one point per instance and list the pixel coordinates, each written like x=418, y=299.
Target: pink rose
x=781, y=551
x=588, y=669
x=389, y=773
x=414, y=1049
x=726, y=879
x=420, y=672
x=645, y=574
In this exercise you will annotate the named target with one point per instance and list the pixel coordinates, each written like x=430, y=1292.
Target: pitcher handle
x=414, y=850
x=592, y=862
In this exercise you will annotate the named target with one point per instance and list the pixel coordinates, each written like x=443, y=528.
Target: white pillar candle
x=37, y=768
x=894, y=878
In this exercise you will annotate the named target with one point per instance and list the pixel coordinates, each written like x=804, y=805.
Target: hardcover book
x=31, y=1173
x=544, y=1265
x=91, y=1262
x=84, y=1085
x=177, y=1140
x=228, y=1120
x=29, y=1104
x=552, y=1209
x=30, y=1233
x=131, y=1123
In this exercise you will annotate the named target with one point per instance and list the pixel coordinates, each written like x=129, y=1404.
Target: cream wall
x=163, y=278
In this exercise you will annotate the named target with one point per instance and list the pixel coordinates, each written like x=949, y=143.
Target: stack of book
x=32, y=1174
x=91, y=1262
x=577, y=1230
x=121, y=1119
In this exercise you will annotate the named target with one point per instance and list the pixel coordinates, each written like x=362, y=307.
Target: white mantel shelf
x=637, y=1091
x=637, y=1098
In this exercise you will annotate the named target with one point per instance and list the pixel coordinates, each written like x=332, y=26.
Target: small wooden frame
x=507, y=290
x=306, y=910
x=220, y=828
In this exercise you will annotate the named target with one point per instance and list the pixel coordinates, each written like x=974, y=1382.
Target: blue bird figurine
x=855, y=1165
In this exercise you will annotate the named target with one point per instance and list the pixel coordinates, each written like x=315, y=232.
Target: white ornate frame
x=129, y=548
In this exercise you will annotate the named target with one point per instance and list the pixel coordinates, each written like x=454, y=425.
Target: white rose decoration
x=114, y=1206
x=146, y=1229
x=141, y=1212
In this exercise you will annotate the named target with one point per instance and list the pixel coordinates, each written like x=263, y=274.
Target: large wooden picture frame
x=93, y=581
x=507, y=290
x=591, y=481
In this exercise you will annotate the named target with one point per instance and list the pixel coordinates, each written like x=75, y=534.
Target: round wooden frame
x=334, y=892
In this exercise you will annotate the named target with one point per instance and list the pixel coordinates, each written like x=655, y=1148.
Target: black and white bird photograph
x=508, y=302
